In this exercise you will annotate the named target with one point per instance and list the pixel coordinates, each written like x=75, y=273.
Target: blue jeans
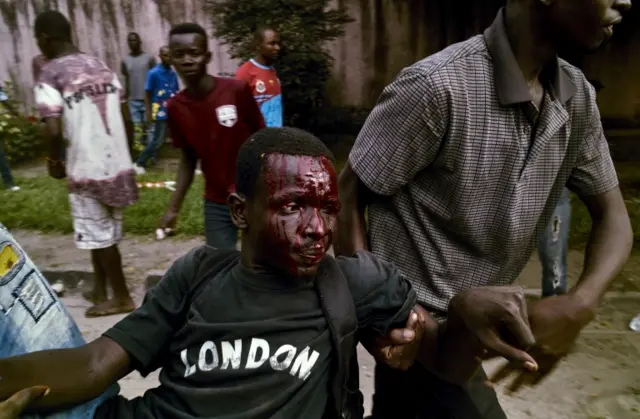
x=5, y=172
x=220, y=232
x=554, y=247
x=157, y=135
x=32, y=318
x=138, y=111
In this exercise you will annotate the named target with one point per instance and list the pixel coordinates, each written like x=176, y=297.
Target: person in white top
x=79, y=95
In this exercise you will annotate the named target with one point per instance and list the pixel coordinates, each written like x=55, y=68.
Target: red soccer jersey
x=214, y=128
x=265, y=85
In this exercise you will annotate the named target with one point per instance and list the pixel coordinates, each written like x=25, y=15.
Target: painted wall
x=386, y=36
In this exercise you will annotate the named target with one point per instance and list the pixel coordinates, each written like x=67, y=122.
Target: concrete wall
x=100, y=27
x=386, y=36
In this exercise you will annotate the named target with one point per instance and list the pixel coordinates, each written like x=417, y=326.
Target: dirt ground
x=600, y=380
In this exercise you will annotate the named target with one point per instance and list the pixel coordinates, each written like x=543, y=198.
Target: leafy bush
x=20, y=134
x=305, y=26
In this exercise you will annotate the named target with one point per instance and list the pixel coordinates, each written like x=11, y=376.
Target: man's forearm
x=147, y=106
x=55, y=147
x=185, y=178
x=352, y=230
x=73, y=375
x=607, y=251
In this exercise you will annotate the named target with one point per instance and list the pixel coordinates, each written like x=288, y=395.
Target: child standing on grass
x=162, y=84
x=209, y=120
x=79, y=94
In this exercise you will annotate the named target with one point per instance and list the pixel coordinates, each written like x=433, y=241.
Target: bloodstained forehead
x=282, y=170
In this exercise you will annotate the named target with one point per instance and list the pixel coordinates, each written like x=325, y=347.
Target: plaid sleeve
x=594, y=172
x=403, y=133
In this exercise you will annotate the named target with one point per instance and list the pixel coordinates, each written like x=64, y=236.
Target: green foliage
x=20, y=131
x=305, y=26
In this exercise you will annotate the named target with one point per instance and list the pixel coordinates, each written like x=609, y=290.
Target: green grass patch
x=42, y=204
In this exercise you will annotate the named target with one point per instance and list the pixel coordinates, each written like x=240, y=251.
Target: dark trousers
x=418, y=394
x=219, y=230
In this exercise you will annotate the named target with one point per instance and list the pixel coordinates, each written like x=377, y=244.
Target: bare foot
x=111, y=307
x=94, y=297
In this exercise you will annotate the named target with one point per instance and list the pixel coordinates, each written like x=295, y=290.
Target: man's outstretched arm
x=73, y=376
x=455, y=349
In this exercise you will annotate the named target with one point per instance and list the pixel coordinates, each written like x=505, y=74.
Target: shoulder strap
x=340, y=311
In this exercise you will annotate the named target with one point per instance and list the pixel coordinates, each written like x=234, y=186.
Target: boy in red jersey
x=259, y=73
x=209, y=120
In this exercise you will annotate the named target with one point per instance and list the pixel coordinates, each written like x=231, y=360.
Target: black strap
x=340, y=312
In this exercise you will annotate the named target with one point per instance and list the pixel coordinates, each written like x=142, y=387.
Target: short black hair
x=258, y=32
x=189, y=28
x=136, y=34
x=287, y=140
x=53, y=24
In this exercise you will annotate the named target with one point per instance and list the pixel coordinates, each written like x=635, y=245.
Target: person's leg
x=5, y=171
x=159, y=135
x=554, y=247
x=156, y=139
x=99, y=292
x=418, y=394
x=220, y=232
x=98, y=228
x=32, y=318
x=396, y=394
x=137, y=117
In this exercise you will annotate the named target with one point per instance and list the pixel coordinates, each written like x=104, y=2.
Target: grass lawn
x=42, y=205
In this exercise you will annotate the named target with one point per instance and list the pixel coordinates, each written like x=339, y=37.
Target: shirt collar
x=509, y=80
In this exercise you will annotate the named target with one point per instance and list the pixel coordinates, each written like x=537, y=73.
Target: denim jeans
x=157, y=135
x=220, y=232
x=32, y=318
x=5, y=171
x=138, y=111
x=553, y=248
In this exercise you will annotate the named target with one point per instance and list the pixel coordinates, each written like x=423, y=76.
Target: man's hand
x=400, y=348
x=169, y=219
x=492, y=313
x=556, y=323
x=56, y=169
x=15, y=405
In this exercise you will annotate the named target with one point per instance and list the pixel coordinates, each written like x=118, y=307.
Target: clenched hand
x=15, y=405
x=556, y=323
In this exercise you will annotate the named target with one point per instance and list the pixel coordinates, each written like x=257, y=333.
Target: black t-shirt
x=249, y=345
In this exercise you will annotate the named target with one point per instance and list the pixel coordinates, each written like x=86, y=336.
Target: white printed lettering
x=290, y=350
x=257, y=344
x=303, y=363
x=188, y=369
x=231, y=354
x=208, y=347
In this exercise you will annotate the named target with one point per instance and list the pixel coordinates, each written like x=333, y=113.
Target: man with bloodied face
x=254, y=340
